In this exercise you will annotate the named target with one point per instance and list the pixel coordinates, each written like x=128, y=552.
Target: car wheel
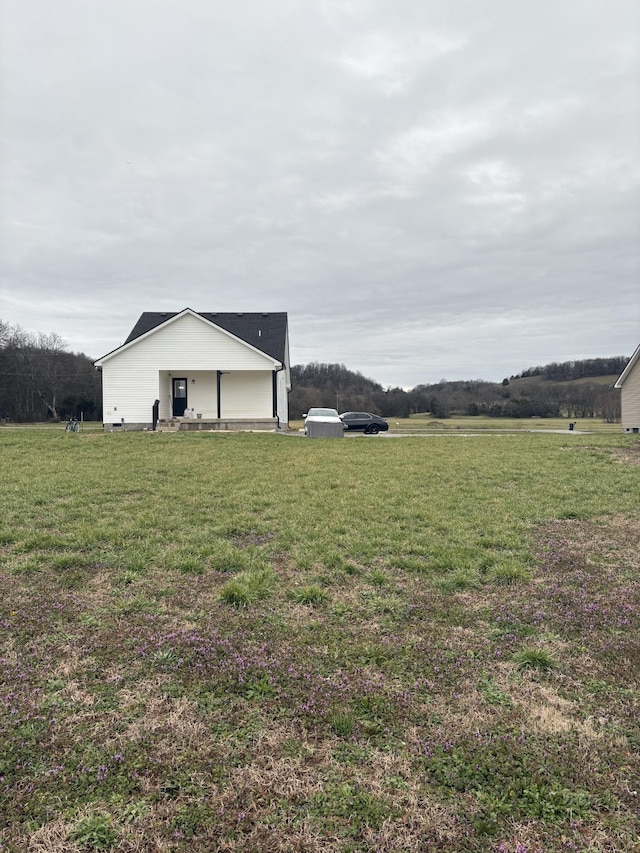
x=374, y=429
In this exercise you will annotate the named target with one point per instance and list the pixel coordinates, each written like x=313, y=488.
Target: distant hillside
x=573, y=389
x=331, y=385
x=585, y=369
x=608, y=380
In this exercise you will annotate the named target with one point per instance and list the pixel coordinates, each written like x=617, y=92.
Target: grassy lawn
x=246, y=642
x=484, y=423
x=425, y=423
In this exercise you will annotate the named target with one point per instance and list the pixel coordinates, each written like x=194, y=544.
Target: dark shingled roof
x=266, y=332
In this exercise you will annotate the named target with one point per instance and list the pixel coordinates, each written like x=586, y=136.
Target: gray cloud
x=430, y=190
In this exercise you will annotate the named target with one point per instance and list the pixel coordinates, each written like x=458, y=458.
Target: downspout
x=99, y=370
x=275, y=395
x=218, y=384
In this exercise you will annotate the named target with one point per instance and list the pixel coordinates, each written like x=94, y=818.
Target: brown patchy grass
x=615, y=536
x=52, y=838
x=629, y=455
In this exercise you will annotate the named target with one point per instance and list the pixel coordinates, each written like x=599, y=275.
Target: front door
x=179, y=397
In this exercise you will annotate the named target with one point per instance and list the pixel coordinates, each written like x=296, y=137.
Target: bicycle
x=73, y=425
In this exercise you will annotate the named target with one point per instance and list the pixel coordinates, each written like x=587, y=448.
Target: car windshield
x=323, y=413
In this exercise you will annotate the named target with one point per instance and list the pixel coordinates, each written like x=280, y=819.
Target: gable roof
x=265, y=332
x=634, y=358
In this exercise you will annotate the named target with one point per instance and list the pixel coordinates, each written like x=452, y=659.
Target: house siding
x=189, y=343
x=246, y=395
x=630, y=400
x=282, y=398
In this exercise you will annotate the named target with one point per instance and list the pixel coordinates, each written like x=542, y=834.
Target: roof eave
x=630, y=365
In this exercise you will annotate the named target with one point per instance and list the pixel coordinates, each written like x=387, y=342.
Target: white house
x=203, y=370
x=629, y=385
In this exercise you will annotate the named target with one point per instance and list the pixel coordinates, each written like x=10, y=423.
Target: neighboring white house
x=629, y=385
x=209, y=370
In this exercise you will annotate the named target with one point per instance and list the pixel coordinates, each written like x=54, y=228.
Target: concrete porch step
x=218, y=425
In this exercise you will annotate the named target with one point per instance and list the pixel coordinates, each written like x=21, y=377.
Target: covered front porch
x=192, y=398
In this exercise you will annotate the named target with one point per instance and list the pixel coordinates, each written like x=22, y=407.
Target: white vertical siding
x=129, y=394
x=283, y=386
x=247, y=394
x=282, y=396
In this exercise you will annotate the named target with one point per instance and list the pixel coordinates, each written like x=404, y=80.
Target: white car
x=321, y=416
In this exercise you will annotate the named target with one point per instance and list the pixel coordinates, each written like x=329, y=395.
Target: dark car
x=370, y=424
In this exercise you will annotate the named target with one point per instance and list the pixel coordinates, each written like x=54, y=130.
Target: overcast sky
x=430, y=188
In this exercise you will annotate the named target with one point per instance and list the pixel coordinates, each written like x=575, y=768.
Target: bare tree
x=14, y=374
x=610, y=406
x=39, y=378
x=47, y=360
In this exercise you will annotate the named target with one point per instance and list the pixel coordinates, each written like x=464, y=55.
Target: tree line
x=567, y=370
x=532, y=393
x=40, y=379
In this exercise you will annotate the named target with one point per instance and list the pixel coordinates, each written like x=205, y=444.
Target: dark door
x=179, y=397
